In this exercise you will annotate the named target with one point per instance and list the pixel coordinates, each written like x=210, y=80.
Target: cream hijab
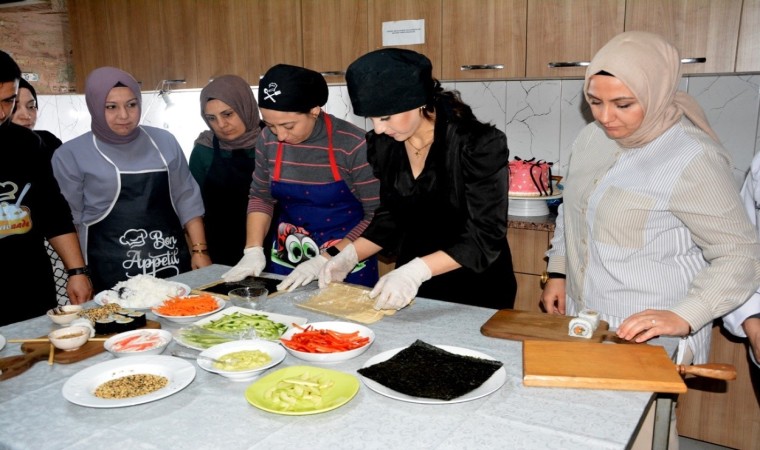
x=651, y=68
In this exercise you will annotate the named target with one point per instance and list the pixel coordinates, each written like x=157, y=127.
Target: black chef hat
x=389, y=81
x=292, y=89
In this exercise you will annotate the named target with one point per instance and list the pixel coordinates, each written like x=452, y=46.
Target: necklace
x=418, y=150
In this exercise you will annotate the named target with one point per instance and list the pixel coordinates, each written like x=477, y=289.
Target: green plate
x=341, y=392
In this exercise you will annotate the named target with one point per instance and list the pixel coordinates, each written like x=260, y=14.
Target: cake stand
x=531, y=206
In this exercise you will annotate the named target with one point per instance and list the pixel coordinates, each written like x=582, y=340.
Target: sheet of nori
x=424, y=370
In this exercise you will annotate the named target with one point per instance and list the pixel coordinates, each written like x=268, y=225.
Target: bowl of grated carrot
x=188, y=308
x=327, y=342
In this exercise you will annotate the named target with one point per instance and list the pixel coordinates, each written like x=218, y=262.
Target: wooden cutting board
x=589, y=365
x=522, y=325
x=87, y=350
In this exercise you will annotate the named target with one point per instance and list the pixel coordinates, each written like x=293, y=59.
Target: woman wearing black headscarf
x=25, y=114
x=443, y=184
x=222, y=162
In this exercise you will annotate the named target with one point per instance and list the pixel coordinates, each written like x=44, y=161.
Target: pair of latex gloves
x=394, y=290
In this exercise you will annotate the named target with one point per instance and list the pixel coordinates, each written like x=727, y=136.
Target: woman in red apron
x=313, y=167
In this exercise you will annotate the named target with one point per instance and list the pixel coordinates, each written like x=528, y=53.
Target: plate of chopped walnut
x=128, y=381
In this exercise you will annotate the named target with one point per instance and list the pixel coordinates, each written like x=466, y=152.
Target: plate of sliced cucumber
x=235, y=323
x=301, y=390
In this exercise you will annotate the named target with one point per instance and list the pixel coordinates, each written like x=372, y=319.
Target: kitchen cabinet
x=329, y=46
x=381, y=11
x=569, y=31
x=528, y=261
x=482, y=35
x=246, y=37
x=179, y=59
x=698, y=28
x=748, y=51
x=91, y=46
x=187, y=40
x=141, y=37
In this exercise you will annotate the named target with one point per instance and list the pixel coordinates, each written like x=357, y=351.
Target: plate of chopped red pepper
x=327, y=342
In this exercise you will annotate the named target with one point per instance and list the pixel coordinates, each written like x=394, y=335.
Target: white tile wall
x=540, y=118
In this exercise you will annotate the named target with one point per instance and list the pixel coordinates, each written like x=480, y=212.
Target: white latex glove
x=399, y=287
x=251, y=264
x=303, y=274
x=338, y=267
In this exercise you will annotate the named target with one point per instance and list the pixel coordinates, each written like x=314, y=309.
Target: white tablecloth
x=212, y=412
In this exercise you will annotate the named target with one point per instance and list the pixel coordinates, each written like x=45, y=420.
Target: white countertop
x=212, y=412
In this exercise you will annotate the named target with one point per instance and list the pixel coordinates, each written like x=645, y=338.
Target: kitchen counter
x=212, y=412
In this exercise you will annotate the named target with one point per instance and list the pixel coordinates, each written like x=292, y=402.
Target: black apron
x=141, y=234
x=225, y=196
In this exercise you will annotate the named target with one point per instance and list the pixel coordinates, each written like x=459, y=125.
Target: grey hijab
x=234, y=91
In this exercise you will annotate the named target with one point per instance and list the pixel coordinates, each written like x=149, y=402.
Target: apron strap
x=330, y=154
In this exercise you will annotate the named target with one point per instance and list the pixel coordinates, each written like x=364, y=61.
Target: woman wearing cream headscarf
x=652, y=233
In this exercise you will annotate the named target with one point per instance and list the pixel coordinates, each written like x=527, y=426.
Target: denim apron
x=314, y=217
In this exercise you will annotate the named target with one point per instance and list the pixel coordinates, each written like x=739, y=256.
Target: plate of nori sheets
x=433, y=374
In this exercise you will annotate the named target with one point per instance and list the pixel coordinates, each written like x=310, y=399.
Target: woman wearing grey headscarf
x=131, y=193
x=651, y=233
x=222, y=162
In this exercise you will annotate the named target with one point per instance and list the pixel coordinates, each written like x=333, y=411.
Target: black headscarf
x=292, y=89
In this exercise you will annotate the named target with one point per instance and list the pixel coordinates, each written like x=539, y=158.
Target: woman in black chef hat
x=313, y=166
x=443, y=185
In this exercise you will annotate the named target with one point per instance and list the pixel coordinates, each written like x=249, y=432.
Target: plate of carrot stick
x=189, y=308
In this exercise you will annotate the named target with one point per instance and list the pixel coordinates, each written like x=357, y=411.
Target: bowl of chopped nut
x=69, y=338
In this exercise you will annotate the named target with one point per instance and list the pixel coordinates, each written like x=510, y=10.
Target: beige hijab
x=651, y=68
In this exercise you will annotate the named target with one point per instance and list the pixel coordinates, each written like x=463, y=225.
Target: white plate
x=80, y=387
x=187, y=319
x=492, y=384
x=274, y=350
x=2, y=342
x=281, y=318
x=334, y=357
x=105, y=297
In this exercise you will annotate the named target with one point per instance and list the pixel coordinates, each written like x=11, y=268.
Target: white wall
x=540, y=118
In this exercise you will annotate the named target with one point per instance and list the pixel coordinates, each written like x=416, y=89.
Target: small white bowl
x=334, y=357
x=64, y=315
x=187, y=319
x=69, y=338
x=274, y=350
x=154, y=340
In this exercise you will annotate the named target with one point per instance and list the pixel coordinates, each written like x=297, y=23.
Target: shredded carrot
x=187, y=306
x=313, y=340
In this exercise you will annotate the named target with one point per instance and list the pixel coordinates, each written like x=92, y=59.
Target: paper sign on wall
x=403, y=32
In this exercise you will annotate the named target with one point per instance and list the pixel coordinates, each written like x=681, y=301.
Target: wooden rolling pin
x=713, y=370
